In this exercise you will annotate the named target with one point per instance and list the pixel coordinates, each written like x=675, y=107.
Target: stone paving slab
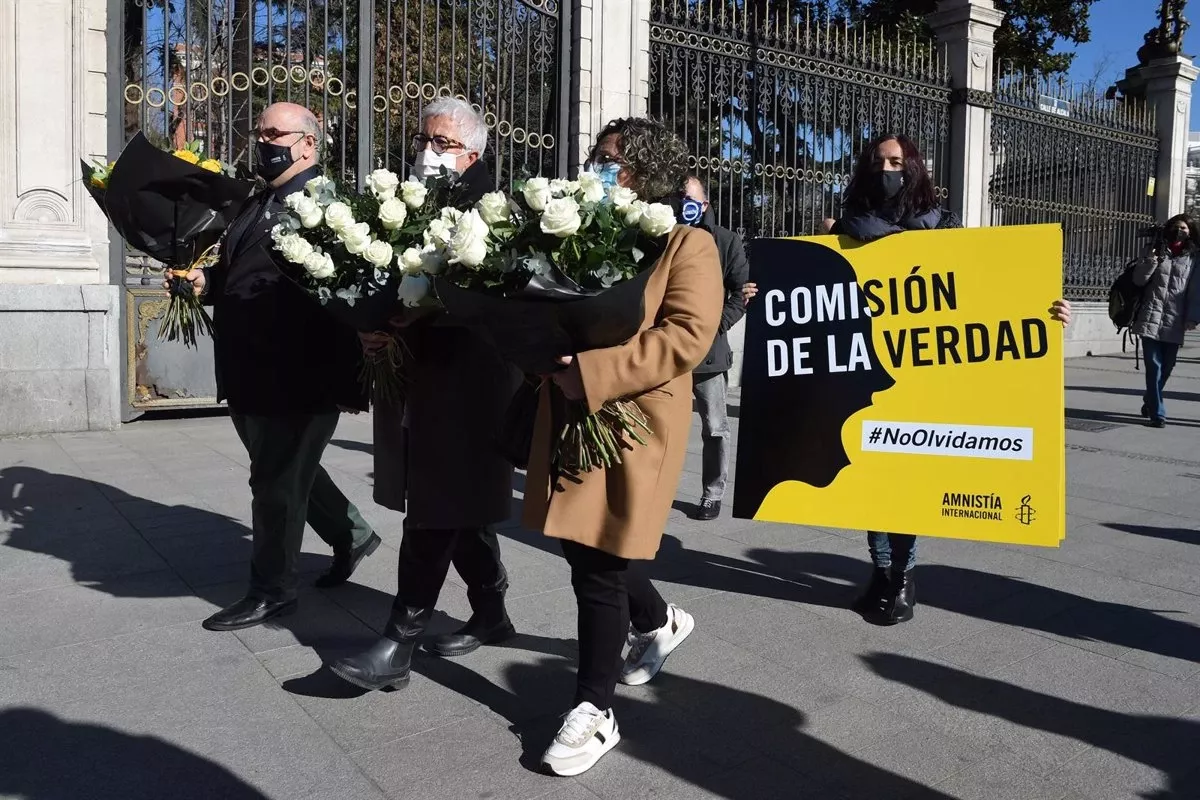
x=1028, y=673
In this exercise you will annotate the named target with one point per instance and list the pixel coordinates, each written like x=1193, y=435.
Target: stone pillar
x=59, y=313
x=1168, y=90
x=612, y=61
x=967, y=29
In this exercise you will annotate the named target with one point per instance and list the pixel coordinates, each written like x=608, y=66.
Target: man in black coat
x=710, y=379
x=436, y=453
x=286, y=369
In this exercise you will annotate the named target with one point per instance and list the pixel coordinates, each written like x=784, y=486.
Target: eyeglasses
x=440, y=144
x=271, y=134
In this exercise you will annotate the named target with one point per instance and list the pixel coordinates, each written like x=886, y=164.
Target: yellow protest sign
x=909, y=385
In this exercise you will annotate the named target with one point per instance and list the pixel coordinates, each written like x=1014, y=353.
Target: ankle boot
x=901, y=598
x=873, y=599
x=489, y=624
x=386, y=663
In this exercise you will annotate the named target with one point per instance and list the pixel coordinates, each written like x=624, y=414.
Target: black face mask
x=889, y=184
x=273, y=160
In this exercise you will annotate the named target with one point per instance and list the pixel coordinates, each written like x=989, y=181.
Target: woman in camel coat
x=610, y=516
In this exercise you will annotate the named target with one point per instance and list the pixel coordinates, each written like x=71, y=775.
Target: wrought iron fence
x=1074, y=157
x=205, y=69
x=777, y=104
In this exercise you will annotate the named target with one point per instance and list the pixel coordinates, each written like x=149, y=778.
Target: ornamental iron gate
x=776, y=105
x=1079, y=159
x=205, y=69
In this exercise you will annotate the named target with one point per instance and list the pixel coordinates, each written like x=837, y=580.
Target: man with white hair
x=436, y=454
x=286, y=369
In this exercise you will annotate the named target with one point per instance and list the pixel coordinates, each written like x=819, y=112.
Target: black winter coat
x=736, y=270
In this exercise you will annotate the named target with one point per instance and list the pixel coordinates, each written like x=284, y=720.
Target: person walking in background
x=435, y=452
x=891, y=192
x=286, y=369
x=614, y=515
x=1170, y=307
x=710, y=380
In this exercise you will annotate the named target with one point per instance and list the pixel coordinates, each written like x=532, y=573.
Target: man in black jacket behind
x=710, y=379
x=286, y=369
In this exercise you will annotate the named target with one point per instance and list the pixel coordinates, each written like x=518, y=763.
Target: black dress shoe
x=248, y=612
x=345, y=563
x=478, y=631
x=708, y=510
x=872, y=601
x=386, y=664
x=1158, y=422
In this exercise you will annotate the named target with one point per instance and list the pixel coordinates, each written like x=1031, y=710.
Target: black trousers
x=425, y=557
x=611, y=594
x=288, y=486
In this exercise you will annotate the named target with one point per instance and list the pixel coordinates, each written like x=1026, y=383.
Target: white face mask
x=428, y=164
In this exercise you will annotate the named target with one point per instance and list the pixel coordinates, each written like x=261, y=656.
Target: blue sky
x=1117, y=30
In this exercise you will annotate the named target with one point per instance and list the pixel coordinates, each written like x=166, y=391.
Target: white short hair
x=472, y=132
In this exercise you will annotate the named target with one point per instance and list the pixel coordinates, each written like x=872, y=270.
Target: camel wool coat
x=622, y=510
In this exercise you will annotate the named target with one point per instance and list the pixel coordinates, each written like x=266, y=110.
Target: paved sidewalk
x=1027, y=673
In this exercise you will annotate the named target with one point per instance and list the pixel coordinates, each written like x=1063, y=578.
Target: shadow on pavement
x=1183, y=397
x=1184, y=535
x=44, y=757
x=1163, y=743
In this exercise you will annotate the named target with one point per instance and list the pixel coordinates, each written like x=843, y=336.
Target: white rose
x=294, y=248
x=413, y=193
x=438, y=232
x=413, y=289
x=591, y=188
x=633, y=213
x=383, y=183
x=356, y=237
x=537, y=193
x=621, y=197
x=411, y=261
x=379, y=253
x=657, y=220
x=305, y=208
x=451, y=215
x=338, y=217
x=392, y=213
x=319, y=265
x=561, y=217
x=433, y=260
x=319, y=187
x=468, y=245
x=563, y=188
x=493, y=208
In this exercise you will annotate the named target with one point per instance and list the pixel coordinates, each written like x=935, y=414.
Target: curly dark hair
x=657, y=159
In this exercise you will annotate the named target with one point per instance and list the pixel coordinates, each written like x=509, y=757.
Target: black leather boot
x=489, y=624
x=901, y=598
x=385, y=665
x=874, y=598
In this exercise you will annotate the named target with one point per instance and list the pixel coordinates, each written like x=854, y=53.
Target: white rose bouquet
x=559, y=270
x=346, y=250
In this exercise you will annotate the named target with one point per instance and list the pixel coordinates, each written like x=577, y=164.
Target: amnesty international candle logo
x=908, y=385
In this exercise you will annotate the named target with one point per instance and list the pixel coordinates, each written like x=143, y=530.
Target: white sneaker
x=648, y=651
x=587, y=733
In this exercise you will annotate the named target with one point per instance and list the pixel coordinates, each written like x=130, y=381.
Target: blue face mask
x=607, y=173
x=692, y=211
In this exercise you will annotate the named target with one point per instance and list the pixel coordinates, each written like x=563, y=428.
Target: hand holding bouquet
x=173, y=206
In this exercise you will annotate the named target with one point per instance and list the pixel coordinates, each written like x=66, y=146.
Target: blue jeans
x=886, y=546
x=710, y=393
x=1160, y=360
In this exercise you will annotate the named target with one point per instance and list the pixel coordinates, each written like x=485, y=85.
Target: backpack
x=1124, y=302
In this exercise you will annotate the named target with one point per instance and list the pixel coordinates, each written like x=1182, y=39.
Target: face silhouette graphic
x=797, y=394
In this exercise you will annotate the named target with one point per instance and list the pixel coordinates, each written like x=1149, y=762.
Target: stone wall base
x=60, y=362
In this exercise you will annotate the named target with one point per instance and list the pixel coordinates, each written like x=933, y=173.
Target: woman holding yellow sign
x=891, y=192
